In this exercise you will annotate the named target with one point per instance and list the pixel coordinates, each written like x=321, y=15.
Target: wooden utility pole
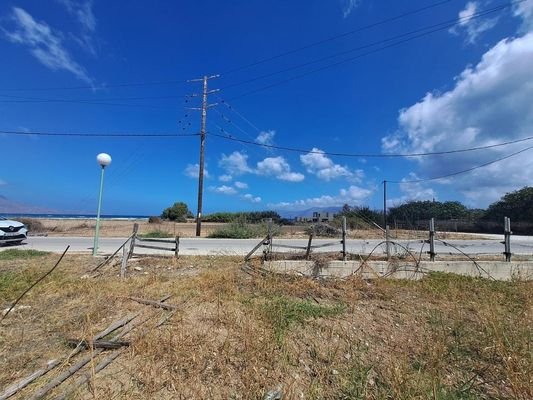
x=203, y=109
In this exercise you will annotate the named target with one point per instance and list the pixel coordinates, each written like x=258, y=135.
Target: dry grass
x=123, y=228
x=236, y=336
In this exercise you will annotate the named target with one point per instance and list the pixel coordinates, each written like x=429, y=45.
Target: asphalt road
x=239, y=247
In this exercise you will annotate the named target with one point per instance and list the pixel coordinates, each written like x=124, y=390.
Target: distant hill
x=290, y=214
x=8, y=206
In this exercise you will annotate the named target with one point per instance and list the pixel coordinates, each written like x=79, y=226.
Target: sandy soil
x=123, y=228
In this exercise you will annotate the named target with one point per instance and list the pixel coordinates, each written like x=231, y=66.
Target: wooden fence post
x=124, y=264
x=308, y=251
x=133, y=237
x=177, y=249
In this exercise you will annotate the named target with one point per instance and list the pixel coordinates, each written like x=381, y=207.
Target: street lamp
x=103, y=160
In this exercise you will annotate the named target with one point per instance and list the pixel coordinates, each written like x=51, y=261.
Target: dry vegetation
x=236, y=336
x=123, y=228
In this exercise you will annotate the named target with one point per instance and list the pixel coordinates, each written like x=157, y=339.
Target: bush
x=156, y=234
x=236, y=230
x=33, y=225
x=322, y=230
x=178, y=212
x=154, y=220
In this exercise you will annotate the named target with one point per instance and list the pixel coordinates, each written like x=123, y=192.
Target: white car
x=12, y=231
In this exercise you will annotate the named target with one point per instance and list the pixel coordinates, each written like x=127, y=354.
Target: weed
x=282, y=312
x=236, y=230
x=17, y=254
x=156, y=234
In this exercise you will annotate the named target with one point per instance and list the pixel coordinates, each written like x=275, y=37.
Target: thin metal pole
x=432, y=239
x=97, y=230
x=201, y=169
x=384, y=204
x=343, y=238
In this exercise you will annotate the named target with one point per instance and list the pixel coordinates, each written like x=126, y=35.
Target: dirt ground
x=123, y=228
x=240, y=335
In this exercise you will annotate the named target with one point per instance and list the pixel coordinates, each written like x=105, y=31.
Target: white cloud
x=235, y=164
x=412, y=191
x=317, y=163
x=524, y=10
x=252, y=198
x=225, y=178
x=490, y=103
x=472, y=27
x=45, y=44
x=83, y=10
x=223, y=189
x=241, y=185
x=348, y=6
x=193, y=170
x=279, y=168
x=354, y=195
x=266, y=137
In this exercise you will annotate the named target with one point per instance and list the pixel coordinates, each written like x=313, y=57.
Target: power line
x=465, y=170
x=101, y=87
x=447, y=23
x=22, y=99
x=372, y=155
x=78, y=134
x=427, y=31
x=339, y=36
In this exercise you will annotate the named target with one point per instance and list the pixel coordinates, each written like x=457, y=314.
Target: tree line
x=517, y=205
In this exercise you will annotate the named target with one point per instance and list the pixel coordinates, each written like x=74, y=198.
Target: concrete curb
x=499, y=270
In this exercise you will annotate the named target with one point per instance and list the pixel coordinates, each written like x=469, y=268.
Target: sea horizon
x=74, y=216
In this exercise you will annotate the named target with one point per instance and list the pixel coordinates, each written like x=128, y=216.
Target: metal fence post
x=387, y=240
x=432, y=239
x=507, y=238
x=177, y=248
x=343, y=238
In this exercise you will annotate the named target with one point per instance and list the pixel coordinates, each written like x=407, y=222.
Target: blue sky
x=465, y=86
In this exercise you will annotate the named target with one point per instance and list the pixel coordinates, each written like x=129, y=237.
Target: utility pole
x=203, y=109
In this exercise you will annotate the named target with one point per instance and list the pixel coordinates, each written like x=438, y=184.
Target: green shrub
x=16, y=254
x=236, y=230
x=156, y=234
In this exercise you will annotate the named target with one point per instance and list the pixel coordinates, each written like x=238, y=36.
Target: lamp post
x=103, y=160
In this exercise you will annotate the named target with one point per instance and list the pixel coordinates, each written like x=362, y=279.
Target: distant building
x=321, y=216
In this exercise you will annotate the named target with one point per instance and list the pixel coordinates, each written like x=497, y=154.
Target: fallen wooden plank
x=154, y=303
x=86, y=377
x=13, y=389
x=43, y=391
x=97, y=344
x=108, y=360
x=261, y=243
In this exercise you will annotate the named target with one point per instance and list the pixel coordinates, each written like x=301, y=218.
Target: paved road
x=240, y=247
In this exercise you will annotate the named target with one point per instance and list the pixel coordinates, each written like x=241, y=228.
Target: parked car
x=12, y=231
